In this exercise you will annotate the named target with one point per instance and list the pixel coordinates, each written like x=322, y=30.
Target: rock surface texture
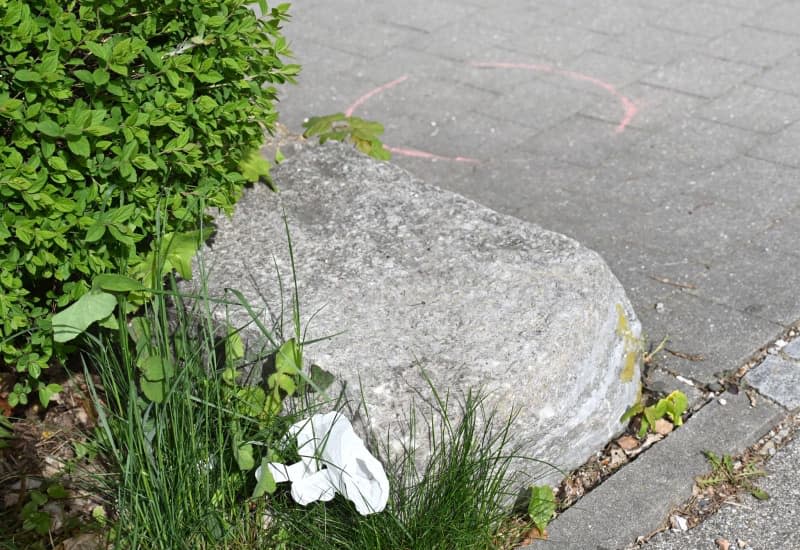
x=414, y=279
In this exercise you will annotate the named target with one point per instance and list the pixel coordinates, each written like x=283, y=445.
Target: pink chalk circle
x=629, y=108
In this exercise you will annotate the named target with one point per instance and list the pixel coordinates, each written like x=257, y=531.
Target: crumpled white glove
x=333, y=459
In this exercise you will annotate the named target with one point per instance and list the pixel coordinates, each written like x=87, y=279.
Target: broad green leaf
x=113, y=282
x=542, y=506
x=244, y=457
x=155, y=368
x=57, y=491
x=57, y=163
x=25, y=75
x=152, y=390
x=205, y=104
x=677, y=404
x=181, y=248
x=254, y=166
x=74, y=320
x=50, y=128
x=144, y=162
x=46, y=392
x=234, y=347
x=266, y=481
x=80, y=146
x=321, y=378
x=100, y=77
x=286, y=360
x=95, y=232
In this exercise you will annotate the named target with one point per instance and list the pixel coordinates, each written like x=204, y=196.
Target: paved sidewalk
x=664, y=134
x=751, y=524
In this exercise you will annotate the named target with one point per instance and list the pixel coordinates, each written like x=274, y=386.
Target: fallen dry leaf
x=722, y=544
x=533, y=535
x=627, y=443
x=663, y=426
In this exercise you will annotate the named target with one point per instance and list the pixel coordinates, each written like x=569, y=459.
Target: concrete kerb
x=636, y=500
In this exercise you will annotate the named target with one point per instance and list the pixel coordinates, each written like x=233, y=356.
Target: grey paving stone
x=420, y=14
x=701, y=75
x=792, y=349
x=784, y=76
x=733, y=182
x=649, y=44
x=465, y=134
x=763, y=525
x=744, y=281
x=778, y=379
x=636, y=500
x=698, y=143
x=701, y=330
x=609, y=17
x=781, y=17
x=463, y=41
x=555, y=42
x=582, y=141
x=781, y=148
x=519, y=16
x=609, y=69
x=748, y=4
x=701, y=18
x=752, y=45
x=752, y=108
x=657, y=107
x=539, y=104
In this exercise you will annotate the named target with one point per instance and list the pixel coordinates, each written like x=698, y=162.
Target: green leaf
x=49, y=128
x=254, y=166
x=760, y=494
x=74, y=320
x=57, y=491
x=244, y=457
x=321, y=378
x=234, y=347
x=95, y=232
x=25, y=75
x=266, y=481
x=144, y=162
x=100, y=77
x=155, y=368
x=181, y=248
x=632, y=411
x=152, y=390
x=80, y=146
x=286, y=360
x=542, y=506
x=46, y=392
x=677, y=404
x=112, y=282
x=57, y=163
x=206, y=104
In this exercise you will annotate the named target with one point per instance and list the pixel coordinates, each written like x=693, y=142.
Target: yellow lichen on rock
x=633, y=345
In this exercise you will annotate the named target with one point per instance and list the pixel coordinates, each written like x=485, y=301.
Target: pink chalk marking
x=416, y=153
x=379, y=90
x=630, y=108
x=403, y=151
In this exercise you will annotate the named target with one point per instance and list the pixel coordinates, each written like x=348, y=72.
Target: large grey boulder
x=412, y=278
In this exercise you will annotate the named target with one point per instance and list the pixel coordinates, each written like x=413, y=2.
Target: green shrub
x=119, y=120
